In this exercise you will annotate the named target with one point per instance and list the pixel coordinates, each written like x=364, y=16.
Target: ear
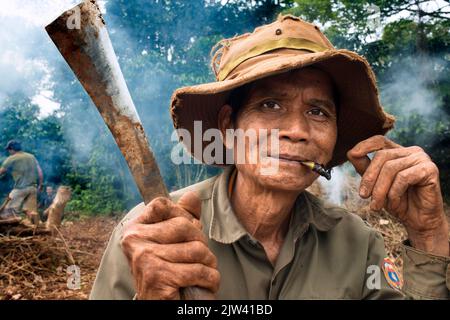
x=225, y=122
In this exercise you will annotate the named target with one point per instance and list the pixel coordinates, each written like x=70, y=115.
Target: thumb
x=361, y=163
x=192, y=203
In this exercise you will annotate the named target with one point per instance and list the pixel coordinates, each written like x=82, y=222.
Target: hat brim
x=360, y=113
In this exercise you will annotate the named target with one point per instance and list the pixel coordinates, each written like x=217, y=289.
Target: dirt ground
x=86, y=239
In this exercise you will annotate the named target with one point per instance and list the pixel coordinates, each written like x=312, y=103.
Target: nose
x=295, y=127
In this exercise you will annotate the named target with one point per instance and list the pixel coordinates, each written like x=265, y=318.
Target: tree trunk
x=56, y=209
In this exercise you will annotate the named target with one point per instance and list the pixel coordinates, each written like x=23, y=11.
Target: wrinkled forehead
x=292, y=82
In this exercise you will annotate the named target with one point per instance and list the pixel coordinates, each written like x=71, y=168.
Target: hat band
x=285, y=43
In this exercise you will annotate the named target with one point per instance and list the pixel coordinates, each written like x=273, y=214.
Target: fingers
x=390, y=162
x=167, y=256
x=174, y=230
x=383, y=163
x=159, y=209
x=358, y=154
x=167, y=250
x=384, y=176
x=193, y=275
x=186, y=252
x=160, y=271
x=191, y=202
x=162, y=280
x=422, y=174
x=373, y=144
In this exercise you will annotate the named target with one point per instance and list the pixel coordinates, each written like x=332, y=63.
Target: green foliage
x=163, y=45
x=411, y=60
x=95, y=189
x=42, y=137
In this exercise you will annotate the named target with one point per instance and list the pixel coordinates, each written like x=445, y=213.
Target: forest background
x=165, y=44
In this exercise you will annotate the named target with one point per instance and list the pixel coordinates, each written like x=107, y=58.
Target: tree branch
x=430, y=14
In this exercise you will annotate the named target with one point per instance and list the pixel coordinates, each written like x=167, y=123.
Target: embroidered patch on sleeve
x=391, y=274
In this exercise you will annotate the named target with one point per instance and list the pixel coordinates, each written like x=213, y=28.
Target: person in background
x=28, y=177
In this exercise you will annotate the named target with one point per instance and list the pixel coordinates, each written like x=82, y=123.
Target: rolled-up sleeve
x=6, y=165
x=426, y=276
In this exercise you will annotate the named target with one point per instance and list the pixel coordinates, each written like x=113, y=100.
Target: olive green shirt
x=326, y=255
x=23, y=168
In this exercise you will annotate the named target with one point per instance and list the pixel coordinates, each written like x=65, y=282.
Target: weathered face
x=300, y=104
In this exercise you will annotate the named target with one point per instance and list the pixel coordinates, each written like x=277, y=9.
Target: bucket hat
x=287, y=44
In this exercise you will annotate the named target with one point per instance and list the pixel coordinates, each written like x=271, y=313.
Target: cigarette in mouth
x=317, y=168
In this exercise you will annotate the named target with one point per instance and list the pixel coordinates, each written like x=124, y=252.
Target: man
x=255, y=233
x=25, y=171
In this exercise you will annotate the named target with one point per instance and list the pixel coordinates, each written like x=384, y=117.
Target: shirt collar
x=225, y=227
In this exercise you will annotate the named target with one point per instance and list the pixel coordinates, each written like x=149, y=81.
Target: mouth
x=299, y=161
x=290, y=161
x=289, y=158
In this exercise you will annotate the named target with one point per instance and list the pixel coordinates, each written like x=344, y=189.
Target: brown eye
x=271, y=105
x=317, y=112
